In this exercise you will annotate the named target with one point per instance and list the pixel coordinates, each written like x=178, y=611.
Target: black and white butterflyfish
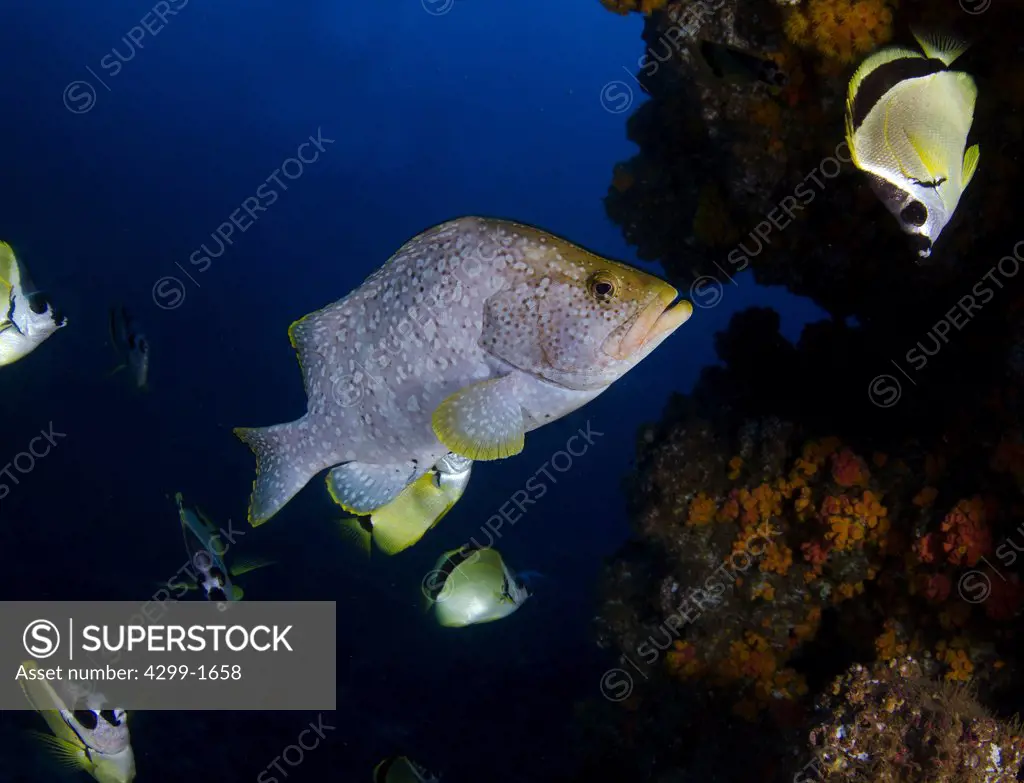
x=84, y=737
x=399, y=769
x=27, y=317
x=907, y=121
x=420, y=506
x=473, y=585
x=206, y=549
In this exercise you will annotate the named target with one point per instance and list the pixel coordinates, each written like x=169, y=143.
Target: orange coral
x=846, y=591
x=702, y=510
x=888, y=644
x=927, y=547
x=786, y=684
x=852, y=522
x=808, y=628
x=955, y=656
x=682, y=659
x=968, y=537
x=777, y=558
x=804, y=507
x=816, y=452
x=761, y=504
x=752, y=658
x=730, y=510
x=841, y=30
x=735, y=465
x=815, y=553
x=849, y=470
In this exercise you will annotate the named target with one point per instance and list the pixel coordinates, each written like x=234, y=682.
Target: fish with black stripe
x=94, y=740
x=907, y=121
x=27, y=318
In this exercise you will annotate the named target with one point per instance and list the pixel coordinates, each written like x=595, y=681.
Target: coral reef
x=771, y=557
x=719, y=158
x=843, y=30
x=852, y=499
x=893, y=723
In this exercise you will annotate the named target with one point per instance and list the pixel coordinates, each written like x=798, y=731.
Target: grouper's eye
x=914, y=214
x=602, y=286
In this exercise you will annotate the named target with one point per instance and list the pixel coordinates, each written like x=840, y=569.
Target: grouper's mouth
x=654, y=323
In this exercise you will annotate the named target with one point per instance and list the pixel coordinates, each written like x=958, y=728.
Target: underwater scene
x=643, y=380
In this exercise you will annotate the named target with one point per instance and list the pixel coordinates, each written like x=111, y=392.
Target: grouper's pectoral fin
x=361, y=487
x=483, y=421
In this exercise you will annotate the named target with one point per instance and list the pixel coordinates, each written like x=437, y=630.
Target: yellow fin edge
x=465, y=447
x=875, y=61
x=347, y=509
x=971, y=158
x=239, y=432
x=444, y=423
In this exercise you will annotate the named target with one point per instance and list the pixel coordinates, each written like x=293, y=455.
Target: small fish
x=469, y=586
x=131, y=345
x=907, y=121
x=729, y=63
x=26, y=317
x=206, y=555
x=399, y=769
x=474, y=333
x=93, y=740
x=419, y=507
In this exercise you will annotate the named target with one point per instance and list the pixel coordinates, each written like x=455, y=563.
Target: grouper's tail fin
x=282, y=466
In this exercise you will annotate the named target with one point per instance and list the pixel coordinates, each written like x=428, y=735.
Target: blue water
x=491, y=108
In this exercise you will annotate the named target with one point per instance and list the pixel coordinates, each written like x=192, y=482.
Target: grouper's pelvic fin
x=286, y=460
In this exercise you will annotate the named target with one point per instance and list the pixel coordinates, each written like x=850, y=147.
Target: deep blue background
x=492, y=108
